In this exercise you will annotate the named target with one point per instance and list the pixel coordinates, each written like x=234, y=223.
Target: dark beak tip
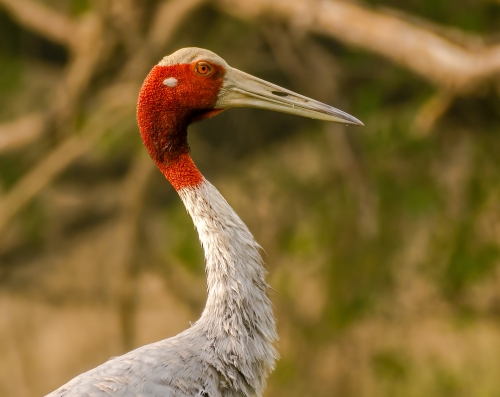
x=355, y=122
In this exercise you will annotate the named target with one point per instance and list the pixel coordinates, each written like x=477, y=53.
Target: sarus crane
x=229, y=351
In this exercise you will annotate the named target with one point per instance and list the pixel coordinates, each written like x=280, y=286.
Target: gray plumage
x=228, y=351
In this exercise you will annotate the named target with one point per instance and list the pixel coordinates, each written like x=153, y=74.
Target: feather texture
x=229, y=351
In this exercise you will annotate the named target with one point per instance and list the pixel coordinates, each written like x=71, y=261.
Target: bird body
x=229, y=351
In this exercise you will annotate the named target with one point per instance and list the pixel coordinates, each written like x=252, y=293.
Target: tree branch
x=168, y=17
x=22, y=131
x=426, y=53
x=116, y=101
x=54, y=163
x=87, y=54
x=430, y=112
x=39, y=176
x=40, y=18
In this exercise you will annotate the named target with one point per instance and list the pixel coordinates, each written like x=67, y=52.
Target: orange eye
x=203, y=69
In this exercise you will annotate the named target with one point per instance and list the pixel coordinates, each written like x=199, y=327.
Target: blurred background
x=382, y=242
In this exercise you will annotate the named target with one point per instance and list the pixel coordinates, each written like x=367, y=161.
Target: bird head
x=194, y=83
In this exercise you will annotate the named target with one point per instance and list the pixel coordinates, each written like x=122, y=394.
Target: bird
x=229, y=351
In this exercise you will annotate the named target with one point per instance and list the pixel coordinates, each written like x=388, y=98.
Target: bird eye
x=203, y=69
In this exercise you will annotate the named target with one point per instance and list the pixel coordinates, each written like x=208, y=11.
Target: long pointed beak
x=244, y=90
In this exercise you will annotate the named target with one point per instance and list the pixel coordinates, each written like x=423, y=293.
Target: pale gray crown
x=192, y=54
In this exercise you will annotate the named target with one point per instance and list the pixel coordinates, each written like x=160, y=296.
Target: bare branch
x=87, y=53
x=90, y=42
x=125, y=18
x=424, y=52
x=430, y=112
x=54, y=163
x=169, y=16
x=39, y=176
x=74, y=146
x=22, y=131
x=40, y=18
x=75, y=83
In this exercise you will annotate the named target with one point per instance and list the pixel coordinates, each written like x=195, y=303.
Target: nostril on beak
x=284, y=94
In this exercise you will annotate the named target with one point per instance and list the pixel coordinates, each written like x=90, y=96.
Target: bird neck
x=164, y=134
x=238, y=317
x=238, y=320
x=164, y=113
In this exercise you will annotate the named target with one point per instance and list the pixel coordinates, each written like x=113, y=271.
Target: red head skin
x=164, y=114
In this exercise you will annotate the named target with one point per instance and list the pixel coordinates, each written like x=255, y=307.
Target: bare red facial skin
x=164, y=113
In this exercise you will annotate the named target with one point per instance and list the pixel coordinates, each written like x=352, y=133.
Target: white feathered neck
x=238, y=317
